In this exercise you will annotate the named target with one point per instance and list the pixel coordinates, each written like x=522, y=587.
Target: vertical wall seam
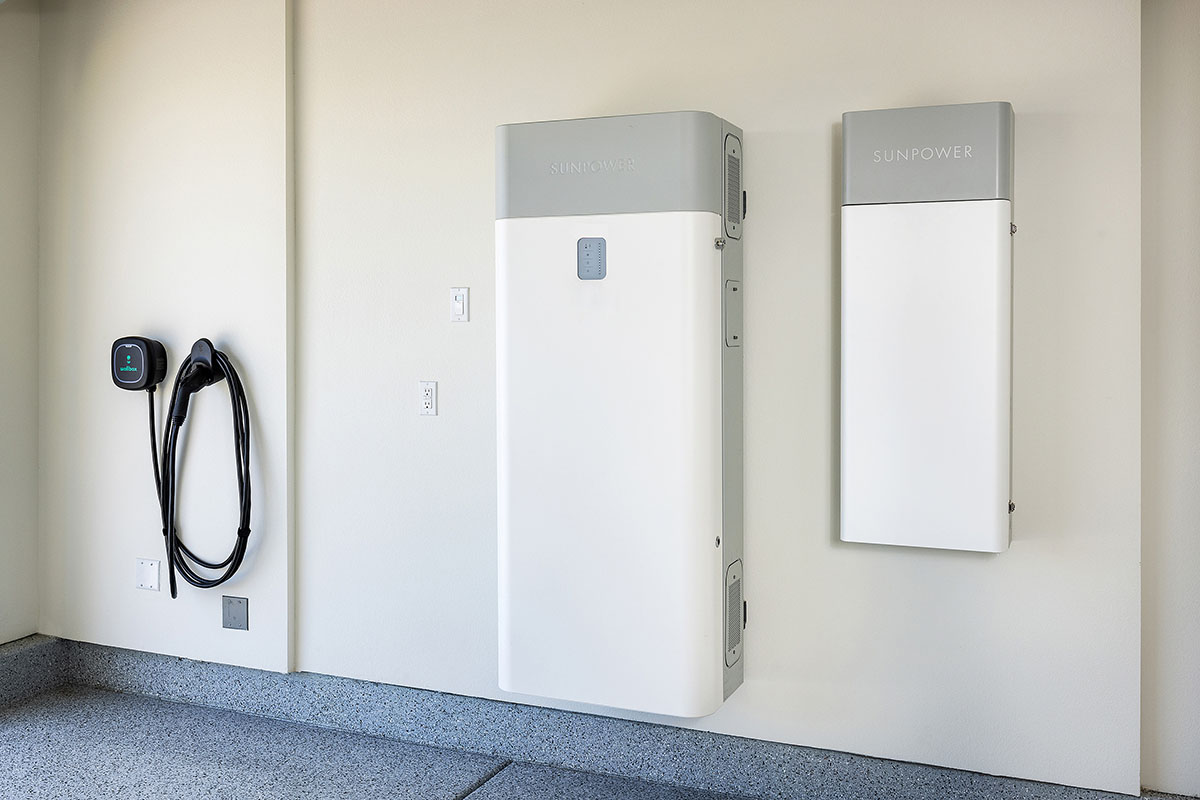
x=289, y=315
x=37, y=326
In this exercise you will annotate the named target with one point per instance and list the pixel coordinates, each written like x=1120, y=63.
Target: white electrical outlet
x=460, y=304
x=147, y=574
x=428, y=398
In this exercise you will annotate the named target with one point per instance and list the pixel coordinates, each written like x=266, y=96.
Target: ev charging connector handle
x=197, y=371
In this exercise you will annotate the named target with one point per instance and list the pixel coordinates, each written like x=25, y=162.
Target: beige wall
x=164, y=204
x=1171, y=395
x=164, y=212
x=1023, y=664
x=18, y=317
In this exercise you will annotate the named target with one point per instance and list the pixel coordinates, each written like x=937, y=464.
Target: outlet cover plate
x=147, y=574
x=235, y=613
x=427, y=398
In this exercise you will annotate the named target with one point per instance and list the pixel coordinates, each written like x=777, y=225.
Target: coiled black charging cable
x=203, y=367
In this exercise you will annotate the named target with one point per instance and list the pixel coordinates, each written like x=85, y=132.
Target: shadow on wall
x=835, y=318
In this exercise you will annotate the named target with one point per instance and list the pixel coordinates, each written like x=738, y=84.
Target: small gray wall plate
x=235, y=613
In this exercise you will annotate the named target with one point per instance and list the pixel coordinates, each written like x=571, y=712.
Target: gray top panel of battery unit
x=611, y=165
x=914, y=155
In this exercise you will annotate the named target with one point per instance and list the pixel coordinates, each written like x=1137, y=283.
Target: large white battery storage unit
x=619, y=419
x=926, y=326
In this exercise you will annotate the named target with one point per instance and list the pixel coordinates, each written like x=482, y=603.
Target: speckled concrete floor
x=535, y=782
x=77, y=744
x=91, y=744
x=86, y=743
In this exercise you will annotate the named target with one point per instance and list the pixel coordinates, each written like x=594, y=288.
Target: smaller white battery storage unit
x=926, y=367
x=619, y=410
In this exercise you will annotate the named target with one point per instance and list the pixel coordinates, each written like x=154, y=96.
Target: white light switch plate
x=147, y=574
x=460, y=304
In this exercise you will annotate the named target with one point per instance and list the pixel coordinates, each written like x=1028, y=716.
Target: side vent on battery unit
x=733, y=613
x=733, y=187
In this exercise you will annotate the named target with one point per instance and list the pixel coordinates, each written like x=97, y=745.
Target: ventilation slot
x=733, y=187
x=733, y=615
x=733, y=190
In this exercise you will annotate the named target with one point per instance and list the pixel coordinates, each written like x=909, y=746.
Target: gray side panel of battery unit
x=915, y=155
x=732, y=355
x=611, y=165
